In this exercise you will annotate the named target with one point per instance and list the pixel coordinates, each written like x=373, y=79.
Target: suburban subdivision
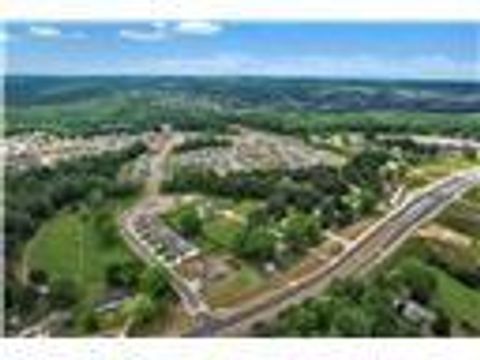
x=242, y=206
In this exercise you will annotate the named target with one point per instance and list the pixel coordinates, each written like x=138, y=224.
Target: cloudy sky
x=381, y=50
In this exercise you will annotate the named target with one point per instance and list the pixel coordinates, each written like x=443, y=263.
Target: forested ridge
x=88, y=105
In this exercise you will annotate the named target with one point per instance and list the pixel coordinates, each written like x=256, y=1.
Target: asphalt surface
x=145, y=234
x=375, y=244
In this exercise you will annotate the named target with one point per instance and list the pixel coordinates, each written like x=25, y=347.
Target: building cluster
x=40, y=149
x=253, y=150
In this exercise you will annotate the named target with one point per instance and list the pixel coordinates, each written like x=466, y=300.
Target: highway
x=371, y=247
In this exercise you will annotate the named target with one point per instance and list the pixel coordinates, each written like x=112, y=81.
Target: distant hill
x=252, y=93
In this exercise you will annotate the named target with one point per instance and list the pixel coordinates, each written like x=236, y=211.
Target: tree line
x=338, y=193
x=34, y=196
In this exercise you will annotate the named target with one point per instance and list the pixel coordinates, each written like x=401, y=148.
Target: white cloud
x=359, y=66
x=157, y=33
x=198, y=28
x=5, y=36
x=160, y=30
x=54, y=32
x=45, y=31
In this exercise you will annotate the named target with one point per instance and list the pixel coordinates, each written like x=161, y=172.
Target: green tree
x=154, y=282
x=419, y=279
x=256, y=244
x=139, y=309
x=88, y=321
x=351, y=321
x=38, y=277
x=189, y=222
x=63, y=293
x=442, y=324
x=301, y=231
x=122, y=274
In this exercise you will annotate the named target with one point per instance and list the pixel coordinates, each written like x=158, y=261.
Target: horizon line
x=267, y=76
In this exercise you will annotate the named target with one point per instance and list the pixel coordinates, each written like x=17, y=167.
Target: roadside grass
x=443, y=166
x=464, y=218
x=70, y=246
x=472, y=200
x=473, y=196
x=461, y=217
x=228, y=291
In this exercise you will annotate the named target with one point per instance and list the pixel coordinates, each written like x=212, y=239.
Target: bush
x=63, y=293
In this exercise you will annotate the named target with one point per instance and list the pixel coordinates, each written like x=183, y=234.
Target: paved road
x=145, y=234
x=374, y=245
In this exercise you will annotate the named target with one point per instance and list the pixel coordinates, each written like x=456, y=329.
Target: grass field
x=464, y=217
x=70, y=246
x=474, y=195
x=460, y=302
x=231, y=289
x=223, y=220
x=219, y=234
x=438, y=168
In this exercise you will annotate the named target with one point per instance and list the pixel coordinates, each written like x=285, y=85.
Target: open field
x=434, y=169
x=464, y=217
x=71, y=246
x=228, y=290
x=460, y=302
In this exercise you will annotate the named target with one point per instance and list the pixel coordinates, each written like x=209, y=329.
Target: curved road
x=139, y=224
x=371, y=247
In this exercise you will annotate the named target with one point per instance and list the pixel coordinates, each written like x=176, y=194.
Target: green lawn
x=220, y=233
x=71, y=246
x=223, y=221
x=459, y=301
x=239, y=282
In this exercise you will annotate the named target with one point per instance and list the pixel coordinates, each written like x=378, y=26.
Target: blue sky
x=359, y=50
